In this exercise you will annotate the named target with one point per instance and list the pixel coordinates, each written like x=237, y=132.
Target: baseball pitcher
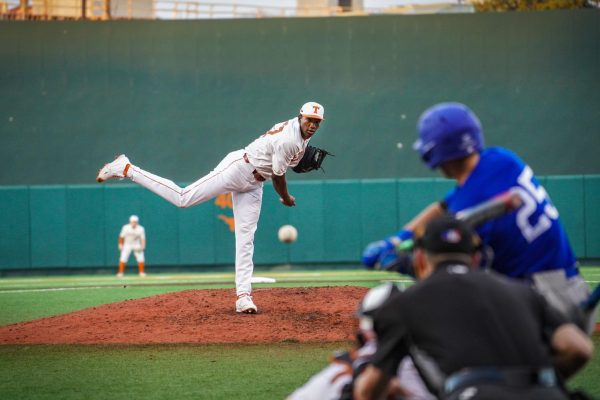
x=241, y=172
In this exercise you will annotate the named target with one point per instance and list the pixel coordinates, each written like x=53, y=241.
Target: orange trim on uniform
x=141, y=267
x=126, y=169
x=121, y=267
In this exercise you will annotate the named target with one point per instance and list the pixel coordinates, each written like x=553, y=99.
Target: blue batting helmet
x=448, y=131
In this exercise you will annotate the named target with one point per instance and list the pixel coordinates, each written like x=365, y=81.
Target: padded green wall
x=78, y=225
x=178, y=95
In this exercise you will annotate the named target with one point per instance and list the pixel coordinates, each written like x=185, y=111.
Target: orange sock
x=141, y=267
x=121, y=267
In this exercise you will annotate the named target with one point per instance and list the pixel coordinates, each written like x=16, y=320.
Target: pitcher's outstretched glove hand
x=312, y=159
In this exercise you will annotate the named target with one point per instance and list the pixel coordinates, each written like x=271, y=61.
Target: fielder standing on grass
x=132, y=238
x=530, y=244
x=241, y=172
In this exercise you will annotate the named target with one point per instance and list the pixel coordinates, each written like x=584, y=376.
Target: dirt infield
x=202, y=316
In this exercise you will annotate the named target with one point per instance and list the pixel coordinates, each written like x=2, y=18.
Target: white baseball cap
x=312, y=110
x=134, y=218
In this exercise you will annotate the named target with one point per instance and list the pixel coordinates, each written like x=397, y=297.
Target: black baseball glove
x=312, y=159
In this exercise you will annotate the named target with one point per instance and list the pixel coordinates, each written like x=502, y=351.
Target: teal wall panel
x=413, y=195
x=14, y=228
x=78, y=225
x=308, y=216
x=378, y=209
x=196, y=235
x=86, y=241
x=567, y=194
x=592, y=216
x=342, y=224
x=161, y=222
x=48, y=226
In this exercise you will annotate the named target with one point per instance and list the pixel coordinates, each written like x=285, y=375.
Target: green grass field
x=170, y=371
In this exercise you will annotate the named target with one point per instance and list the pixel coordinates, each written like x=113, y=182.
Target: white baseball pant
x=233, y=174
x=126, y=252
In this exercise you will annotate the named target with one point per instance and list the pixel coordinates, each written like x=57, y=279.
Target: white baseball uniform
x=132, y=241
x=272, y=153
x=330, y=382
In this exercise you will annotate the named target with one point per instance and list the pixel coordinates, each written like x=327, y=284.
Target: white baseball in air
x=399, y=145
x=287, y=234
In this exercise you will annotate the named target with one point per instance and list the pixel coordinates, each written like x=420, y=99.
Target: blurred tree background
x=530, y=5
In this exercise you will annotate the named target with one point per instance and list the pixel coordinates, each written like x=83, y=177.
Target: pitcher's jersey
x=529, y=240
x=279, y=148
x=133, y=236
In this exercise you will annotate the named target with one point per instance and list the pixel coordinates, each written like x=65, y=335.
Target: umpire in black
x=472, y=334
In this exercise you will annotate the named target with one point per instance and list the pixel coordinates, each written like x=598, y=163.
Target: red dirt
x=202, y=316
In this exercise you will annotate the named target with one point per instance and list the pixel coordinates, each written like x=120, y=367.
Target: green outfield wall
x=176, y=96
x=77, y=226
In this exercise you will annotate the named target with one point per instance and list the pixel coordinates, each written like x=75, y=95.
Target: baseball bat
x=482, y=212
x=492, y=208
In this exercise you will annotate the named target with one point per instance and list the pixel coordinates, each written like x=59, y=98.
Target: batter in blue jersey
x=527, y=244
x=527, y=241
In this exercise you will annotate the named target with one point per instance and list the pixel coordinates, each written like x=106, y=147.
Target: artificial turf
x=115, y=372
x=165, y=371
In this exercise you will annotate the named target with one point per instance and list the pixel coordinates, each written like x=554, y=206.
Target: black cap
x=448, y=235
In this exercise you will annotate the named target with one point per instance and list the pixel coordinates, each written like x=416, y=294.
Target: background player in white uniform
x=241, y=172
x=132, y=238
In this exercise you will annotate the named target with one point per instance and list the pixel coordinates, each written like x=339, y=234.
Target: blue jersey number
x=533, y=197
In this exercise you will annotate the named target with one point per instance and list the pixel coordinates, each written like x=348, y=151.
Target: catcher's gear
x=312, y=159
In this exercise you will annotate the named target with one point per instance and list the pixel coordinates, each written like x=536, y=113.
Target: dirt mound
x=202, y=316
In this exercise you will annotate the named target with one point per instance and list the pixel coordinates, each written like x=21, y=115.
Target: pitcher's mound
x=320, y=314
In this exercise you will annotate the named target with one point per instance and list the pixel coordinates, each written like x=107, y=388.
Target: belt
x=515, y=377
x=257, y=176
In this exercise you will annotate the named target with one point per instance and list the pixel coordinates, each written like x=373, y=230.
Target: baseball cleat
x=116, y=169
x=120, y=275
x=142, y=274
x=244, y=304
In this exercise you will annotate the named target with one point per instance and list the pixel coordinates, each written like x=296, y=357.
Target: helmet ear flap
x=426, y=157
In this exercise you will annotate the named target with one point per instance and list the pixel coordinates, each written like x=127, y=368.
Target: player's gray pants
x=233, y=175
x=566, y=295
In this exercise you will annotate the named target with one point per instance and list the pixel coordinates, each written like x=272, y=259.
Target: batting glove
x=383, y=251
x=373, y=252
